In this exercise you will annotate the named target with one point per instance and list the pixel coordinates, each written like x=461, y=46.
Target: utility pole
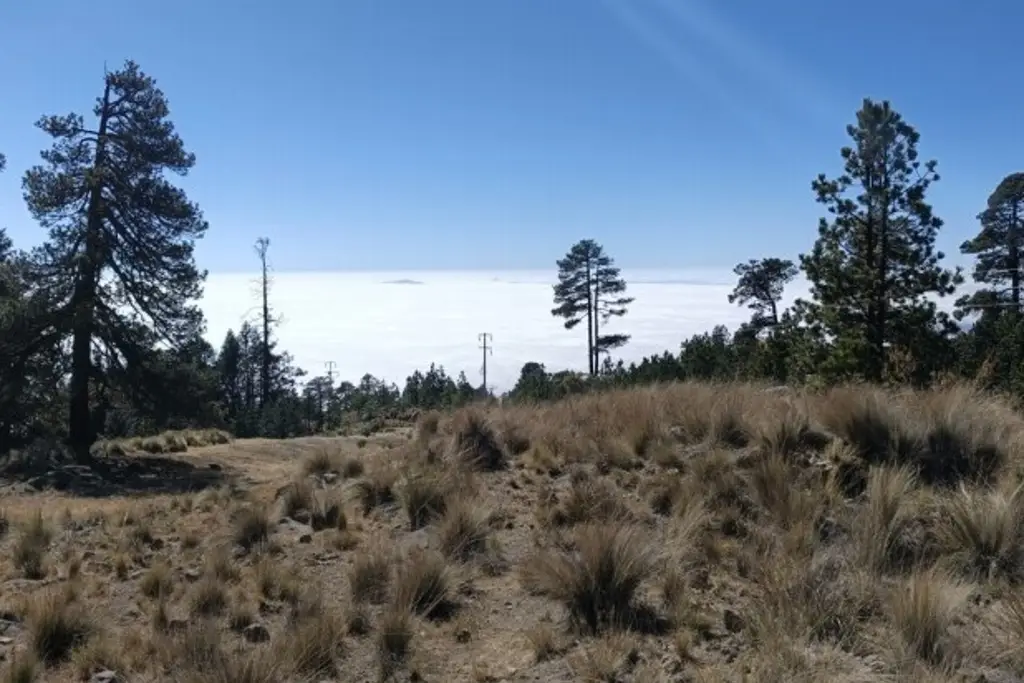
x=330, y=371
x=485, y=337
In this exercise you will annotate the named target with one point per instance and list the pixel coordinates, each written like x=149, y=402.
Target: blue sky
x=471, y=134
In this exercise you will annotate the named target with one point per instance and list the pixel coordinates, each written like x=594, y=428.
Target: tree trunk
x=590, y=321
x=80, y=428
x=597, y=327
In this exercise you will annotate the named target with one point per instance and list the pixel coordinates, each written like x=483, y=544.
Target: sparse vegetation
x=799, y=553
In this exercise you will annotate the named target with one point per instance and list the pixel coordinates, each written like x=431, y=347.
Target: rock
x=330, y=477
x=306, y=538
x=215, y=467
x=256, y=633
x=302, y=517
x=106, y=676
x=192, y=575
x=733, y=621
x=463, y=635
x=6, y=641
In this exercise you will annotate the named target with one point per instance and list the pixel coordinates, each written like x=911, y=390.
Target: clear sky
x=491, y=134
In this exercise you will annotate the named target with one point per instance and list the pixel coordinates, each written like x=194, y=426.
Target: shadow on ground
x=52, y=468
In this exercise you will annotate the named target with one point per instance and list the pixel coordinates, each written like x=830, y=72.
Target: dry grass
x=598, y=579
x=56, y=623
x=682, y=532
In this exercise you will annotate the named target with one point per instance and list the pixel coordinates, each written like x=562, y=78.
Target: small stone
x=6, y=641
x=330, y=477
x=463, y=635
x=193, y=574
x=256, y=633
x=306, y=538
x=106, y=676
x=733, y=621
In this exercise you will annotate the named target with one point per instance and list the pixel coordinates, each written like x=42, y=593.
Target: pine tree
x=590, y=288
x=760, y=287
x=121, y=236
x=875, y=261
x=997, y=248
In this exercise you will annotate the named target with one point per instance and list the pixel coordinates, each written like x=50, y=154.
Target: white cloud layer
x=381, y=323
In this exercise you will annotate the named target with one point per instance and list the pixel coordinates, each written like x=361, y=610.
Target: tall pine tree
x=121, y=236
x=875, y=262
x=590, y=288
x=997, y=249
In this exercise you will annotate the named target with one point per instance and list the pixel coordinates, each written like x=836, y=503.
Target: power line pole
x=485, y=337
x=330, y=371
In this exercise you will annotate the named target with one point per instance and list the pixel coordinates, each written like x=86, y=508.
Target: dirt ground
x=681, y=533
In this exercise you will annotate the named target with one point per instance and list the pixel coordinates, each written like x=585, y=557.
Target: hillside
x=683, y=533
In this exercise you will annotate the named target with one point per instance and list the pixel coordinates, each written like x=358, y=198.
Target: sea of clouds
x=390, y=324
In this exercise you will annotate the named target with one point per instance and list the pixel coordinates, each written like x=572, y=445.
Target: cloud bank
x=365, y=323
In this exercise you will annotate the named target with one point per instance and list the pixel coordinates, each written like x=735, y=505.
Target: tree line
x=875, y=277
x=101, y=334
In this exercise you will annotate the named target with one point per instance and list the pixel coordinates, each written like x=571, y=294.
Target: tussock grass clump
x=923, y=611
x=31, y=546
x=423, y=585
x=885, y=524
x=870, y=421
x=323, y=461
x=209, y=597
x=981, y=534
x=370, y=576
x=297, y=497
x=588, y=499
x=276, y=582
x=158, y=581
x=546, y=642
x=376, y=488
x=425, y=497
x=464, y=530
x=352, y=468
x=95, y=655
x=427, y=425
x=394, y=641
x=56, y=625
x=598, y=580
x=823, y=597
x=316, y=643
x=23, y=667
x=252, y=527
x=327, y=513
x=476, y=444
x=967, y=436
x=220, y=565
